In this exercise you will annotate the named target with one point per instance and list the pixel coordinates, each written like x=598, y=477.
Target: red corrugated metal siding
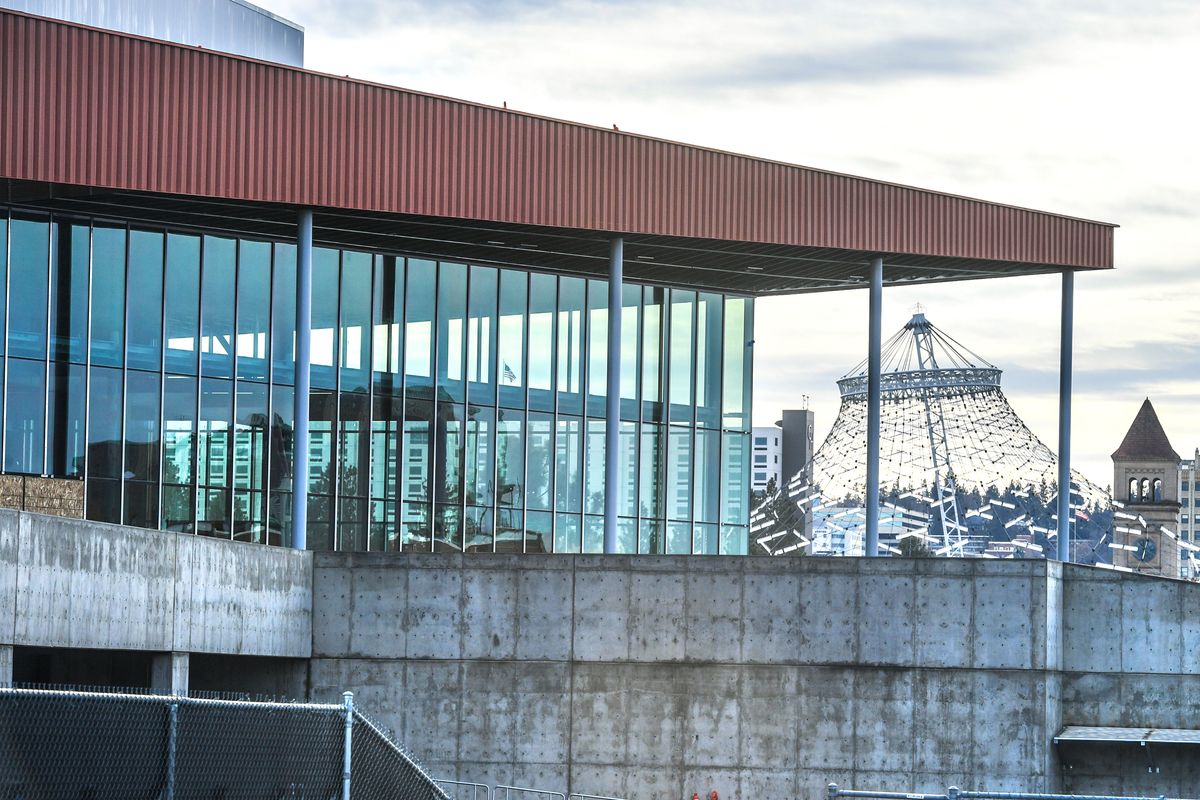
x=87, y=107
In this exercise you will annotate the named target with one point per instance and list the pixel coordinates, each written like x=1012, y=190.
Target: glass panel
x=542, y=299
x=736, y=378
x=279, y=474
x=631, y=312
x=704, y=539
x=448, y=529
x=387, y=324
x=108, y=295
x=627, y=535
x=451, y=341
x=449, y=452
x=539, y=527
x=651, y=537
x=735, y=479
x=320, y=522
x=593, y=534
x=144, y=327
x=387, y=420
x=570, y=345
x=141, y=504
x=250, y=460
x=384, y=526
x=708, y=360
x=477, y=530
x=679, y=474
x=593, y=470
x=355, y=345
x=510, y=535
x=510, y=459
x=652, y=352
x=569, y=466
x=679, y=538
x=540, y=472
x=29, y=252
x=597, y=302
x=25, y=416
x=179, y=443
x=103, y=499
x=706, y=468
x=683, y=310
x=213, y=457
x=417, y=451
x=567, y=533
x=321, y=468
x=734, y=540
x=353, y=446
x=67, y=401
x=416, y=529
x=627, y=470
x=352, y=524
x=481, y=336
x=418, y=330
x=650, y=490
x=480, y=453
x=104, y=424
x=182, y=293
x=3, y=275
x=323, y=353
x=216, y=311
x=283, y=315
x=141, y=426
x=511, y=338
x=69, y=292
x=253, y=310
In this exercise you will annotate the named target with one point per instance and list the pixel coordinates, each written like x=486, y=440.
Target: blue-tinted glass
x=144, y=325
x=253, y=310
x=216, y=308
x=650, y=473
x=679, y=538
x=29, y=254
x=105, y=440
x=736, y=378
x=279, y=470
x=627, y=456
x=108, y=295
x=597, y=303
x=543, y=301
x=593, y=470
x=182, y=300
x=250, y=461
x=451, y=327
x=568, y=459
x=735, y=479
x=416, y=528
x=283, y=315
x=355, y=343
x=69, y=294
x=387, y=422
x=478, y=530
x=416, y=451
x=539, y=528
x=568, y=534
x=510, y=458
x=654, y=301
x=322, y=469
x=652, y=537
x=3, y=276
x=679, y=474
x=709, y=347
x=481, y=336
x=682, y=354
x=325, y=279
x=142, y=439
x=387, y=324
x=570, y=345
x=706, y=470
x=25, y=416
x=418, y=328
x=631, y=313
x=353, y=445
x=593, y=534
x=510, y=531
x=179, y=451
x=213, y=457
x=66, y=404
x=448, y=529
x=540, y=480
x=704, y=539
x=479, y=458
x=449, y=452
x=735, y=540
x=510, y=341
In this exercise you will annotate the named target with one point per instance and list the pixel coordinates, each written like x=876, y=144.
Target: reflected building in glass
x=454, y=406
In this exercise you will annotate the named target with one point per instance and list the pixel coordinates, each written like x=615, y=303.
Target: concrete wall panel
x=9, y=535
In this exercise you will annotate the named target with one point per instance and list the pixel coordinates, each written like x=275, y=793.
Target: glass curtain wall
x=454, y=407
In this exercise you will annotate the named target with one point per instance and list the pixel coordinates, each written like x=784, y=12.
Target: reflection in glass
x=108, y=295
x=735, y=478
x=179, y=452
x=355, y=341
x=510, y=347
x=387, y=321
x=679, y=538
x=708, y=360
x=652, y=353
x=25, y=416
x=539, y=527
x=322, y=470
x=543, y=297
x=418, y=329
x=570, y=345
x=568, y=481
x=510, y=459
x=216, y=311
x=652, y=537
x=69, y=293
x=627, y=457
x=3, y=274
x=704, y=537
x=593, y=534
x=182, y=299
x=735, y=540
x=250, y=461
x=143, y=324
x=481, y=336
x=416, y=456
x=679, y=473
x=353, y=470
x=213, y=459
x=283, y=315
x=29, y=256
x=323, y=354
x=387, y=420
x=253, y=310
x=540, y=472
x=66, y=403
x=682, y=354
x=448, y=529
x=448, y=455
x=279, y=468
x=651, y=496
x=141, y=448
x=479, y=459
x=593, y=470
x=567, y=533
x=631, y=309
x=451, y=324
x=706, y=465
x=597, y=303
x=104, y=425
x=736, y=377
x=416, y=528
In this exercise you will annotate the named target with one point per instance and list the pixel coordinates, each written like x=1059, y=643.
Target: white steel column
x=303, y=341
x=1067, y=324
x=612, y=400
x=875, y=334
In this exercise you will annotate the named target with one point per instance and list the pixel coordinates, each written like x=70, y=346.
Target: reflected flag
x=509, y=375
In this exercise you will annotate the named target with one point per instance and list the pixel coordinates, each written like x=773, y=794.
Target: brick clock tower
x=1146, y=480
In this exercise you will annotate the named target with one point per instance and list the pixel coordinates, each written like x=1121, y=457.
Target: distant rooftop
x=1146, y=439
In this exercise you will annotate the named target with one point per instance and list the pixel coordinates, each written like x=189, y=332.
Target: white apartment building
x=766, y=457
x=1189, y=508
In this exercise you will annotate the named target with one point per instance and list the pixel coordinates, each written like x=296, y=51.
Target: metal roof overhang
x=1139, y=736
x=737, y=267
x=104, y=123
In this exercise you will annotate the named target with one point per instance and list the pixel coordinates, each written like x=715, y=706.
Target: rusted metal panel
x=88, y=107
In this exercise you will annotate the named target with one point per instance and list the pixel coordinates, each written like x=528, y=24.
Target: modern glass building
x=454, y=405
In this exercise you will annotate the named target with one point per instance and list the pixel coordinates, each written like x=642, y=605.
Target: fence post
x=348, y=702
x=952, y=793
x=172, y=727
x=833, y=791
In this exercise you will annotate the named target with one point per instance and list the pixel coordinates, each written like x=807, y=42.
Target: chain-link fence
x=75, y=745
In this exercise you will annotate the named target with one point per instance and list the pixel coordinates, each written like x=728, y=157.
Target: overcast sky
x=1082, y=108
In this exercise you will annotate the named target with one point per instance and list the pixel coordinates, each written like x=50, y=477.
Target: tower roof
x=1146, y=439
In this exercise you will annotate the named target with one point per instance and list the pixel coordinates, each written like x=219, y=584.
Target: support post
x=875, y=334
x=348, y=704
x=6, y=664
x=612, y=400
x=1066, y=330
x=169, y=673
x=172, y=739
x=300, y=425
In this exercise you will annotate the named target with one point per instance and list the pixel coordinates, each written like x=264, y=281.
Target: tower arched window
x=1158, y=495
x=1145, y=496
x=1133, y=490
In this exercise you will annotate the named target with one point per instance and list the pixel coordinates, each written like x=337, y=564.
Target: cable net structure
x=960, y=473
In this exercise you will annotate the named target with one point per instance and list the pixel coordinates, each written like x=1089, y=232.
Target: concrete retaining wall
x=70, y=583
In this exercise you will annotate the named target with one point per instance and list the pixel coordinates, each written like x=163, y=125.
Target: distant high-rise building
x=1189, y=507
x=1146, y=480
x=781, y=450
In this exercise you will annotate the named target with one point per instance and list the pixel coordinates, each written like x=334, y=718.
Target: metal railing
x=954, y=793
x=70, y=744
x=481, y=791
x=524, y=790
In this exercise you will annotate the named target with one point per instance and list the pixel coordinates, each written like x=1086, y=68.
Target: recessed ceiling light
x=645, y=258
x=755, y=268
x=493, y=241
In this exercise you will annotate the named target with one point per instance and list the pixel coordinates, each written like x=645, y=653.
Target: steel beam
x=612, y=400
x=1066, y=330
x=875, y=334
x=304, y=248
